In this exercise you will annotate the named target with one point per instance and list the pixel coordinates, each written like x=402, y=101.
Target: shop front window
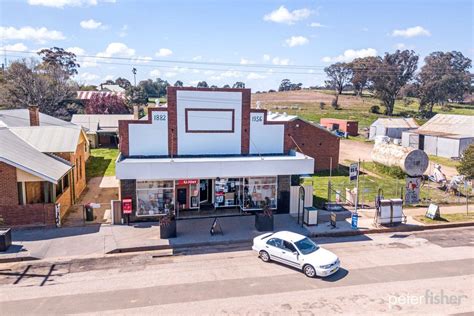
x=227, y=192
x=258, y=192
x=154, y=197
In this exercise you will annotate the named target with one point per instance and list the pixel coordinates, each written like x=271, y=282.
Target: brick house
x=350, y=127
x=207, y=153
x=42, y=167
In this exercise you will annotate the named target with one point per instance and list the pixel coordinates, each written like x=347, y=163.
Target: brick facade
x=349, y=126
x=28, y=215
x=8, y=186
x=313, y=141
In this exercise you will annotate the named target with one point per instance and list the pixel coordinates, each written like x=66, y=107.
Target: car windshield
x=306, y=246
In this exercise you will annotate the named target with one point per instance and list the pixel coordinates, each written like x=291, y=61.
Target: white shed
x=391, y=127
x=444, y=135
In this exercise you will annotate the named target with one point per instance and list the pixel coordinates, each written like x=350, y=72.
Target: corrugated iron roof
x=21, y=117
x=16, y=152
x=280, y=117
x=50, y=139
x=396, y=122
x=460, y=125
x=103, y=120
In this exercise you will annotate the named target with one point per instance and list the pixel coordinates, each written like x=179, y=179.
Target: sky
x=221, y=42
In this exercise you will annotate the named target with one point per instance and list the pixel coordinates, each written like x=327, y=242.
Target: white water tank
x=413, y=162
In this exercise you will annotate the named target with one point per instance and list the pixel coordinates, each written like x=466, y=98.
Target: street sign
x=353, y=171
x=355, y=220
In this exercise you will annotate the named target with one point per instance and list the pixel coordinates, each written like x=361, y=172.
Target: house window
x=227, y=192
x=62, y=185
x=258, y=192
x=34, y=192
x=154, y=197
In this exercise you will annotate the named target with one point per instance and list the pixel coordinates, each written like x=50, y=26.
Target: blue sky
x=278, y=36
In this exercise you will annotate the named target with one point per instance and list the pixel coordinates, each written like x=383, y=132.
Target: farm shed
x=391, y=127
x=444, y=135
x=351, y=127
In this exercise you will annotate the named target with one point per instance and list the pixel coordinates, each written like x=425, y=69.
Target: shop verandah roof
x=213, y=166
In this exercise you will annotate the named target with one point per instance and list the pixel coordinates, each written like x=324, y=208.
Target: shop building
x=207, y=153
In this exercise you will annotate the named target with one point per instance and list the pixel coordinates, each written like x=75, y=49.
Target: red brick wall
x=314, y=142
x=28, y=215
x=8, y=186
x=351, y=127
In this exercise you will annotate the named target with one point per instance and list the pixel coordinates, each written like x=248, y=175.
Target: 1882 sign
x=159, y=117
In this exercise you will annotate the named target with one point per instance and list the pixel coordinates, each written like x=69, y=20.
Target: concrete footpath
x=101, y=240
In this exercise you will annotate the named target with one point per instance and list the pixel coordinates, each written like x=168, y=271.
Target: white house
x=391, y=127
x=444, y=135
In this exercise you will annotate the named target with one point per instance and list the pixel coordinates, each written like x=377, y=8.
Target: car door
x=289, y=254
x=274, y=248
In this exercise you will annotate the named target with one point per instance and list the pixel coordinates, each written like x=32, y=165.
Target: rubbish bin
x=89, y=213
x=310, y=216
x=5, y=239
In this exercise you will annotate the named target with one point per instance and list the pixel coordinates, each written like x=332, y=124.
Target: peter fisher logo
x=430, y=297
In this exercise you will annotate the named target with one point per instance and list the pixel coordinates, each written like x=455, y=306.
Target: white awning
x=213, y=167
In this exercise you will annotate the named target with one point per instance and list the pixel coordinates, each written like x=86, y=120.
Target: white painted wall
x=209, y=143
x=149, y=139
x=265, y=139
x=431, y=145
x=22, y=176
x=448, y=147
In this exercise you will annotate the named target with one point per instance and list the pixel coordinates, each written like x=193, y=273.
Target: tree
x=466, y=164
x=100, y=103
x=45, y=85
x=136, y=95
x=202, y=84
x=123, y=83
x=178, y=83
x=390, y=74
x=340, y=75
x=444, y=76
x=361, y=68
x=226, y=86
x=238, y=85
x=285, y=85
x=59, y=57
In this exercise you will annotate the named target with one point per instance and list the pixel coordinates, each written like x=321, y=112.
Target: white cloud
x=255, y=76
x=411, y=32
x=155, y=73
x=87, y=77
x=65, y=3
x=197, y=58
x=317, y=24
x=84, y=61
x=296, y=41
x=164, y=52
x=90, y=24
x=266, y=57
x=40, y=35
x=108, y=77
x=209, y=72
x=245, y=61
x=282, y=15
x=170, y=74
x=280, y=61
x=142, y=60
x=400, y=46
x=117, y=50
x=18, y=47
x=350, y=55
x=227, y=74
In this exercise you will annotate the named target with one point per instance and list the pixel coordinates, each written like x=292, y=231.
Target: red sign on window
x=127, y=206
x=189, y=181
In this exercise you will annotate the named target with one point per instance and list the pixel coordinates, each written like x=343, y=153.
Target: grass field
x=446, y=218
x=308, y=104
x=101, y=162
x=444, y=161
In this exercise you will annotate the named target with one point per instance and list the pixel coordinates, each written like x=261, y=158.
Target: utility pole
x=134, y=71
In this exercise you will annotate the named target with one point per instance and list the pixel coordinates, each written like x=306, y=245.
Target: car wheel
x=264, y=256
x=309, y=271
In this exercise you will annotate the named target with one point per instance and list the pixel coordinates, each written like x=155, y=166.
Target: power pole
x=357, y=187
x=134, y=71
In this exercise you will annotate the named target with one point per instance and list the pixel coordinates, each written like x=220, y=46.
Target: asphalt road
x=424, y=273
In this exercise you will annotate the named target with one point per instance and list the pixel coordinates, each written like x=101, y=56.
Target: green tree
x=136, y=96
x=58, y=57
x=361, y=68
x=123, y=83
x=466, y=165
x=178, y=83
x=390, y=74
x=339, y=74
x=238, y=85
x=202, y=84
x=444, y=76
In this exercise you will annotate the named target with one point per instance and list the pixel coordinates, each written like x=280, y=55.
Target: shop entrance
x=205, y=194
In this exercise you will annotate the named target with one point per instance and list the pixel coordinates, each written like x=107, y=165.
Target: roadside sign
x=433, y=211
x=333, y=219
x=353, y=171
x=127, y=206
x=355, y=220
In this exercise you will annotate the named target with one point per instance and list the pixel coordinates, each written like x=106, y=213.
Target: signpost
x=333, y=219
x=355, y=220
x=354, y=171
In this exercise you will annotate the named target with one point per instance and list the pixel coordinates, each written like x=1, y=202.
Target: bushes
x=394, y=172
x=374, y=109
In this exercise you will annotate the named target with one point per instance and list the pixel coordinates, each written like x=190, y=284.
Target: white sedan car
x=297, y=251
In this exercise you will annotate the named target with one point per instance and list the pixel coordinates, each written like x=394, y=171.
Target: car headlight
x=327, y=266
